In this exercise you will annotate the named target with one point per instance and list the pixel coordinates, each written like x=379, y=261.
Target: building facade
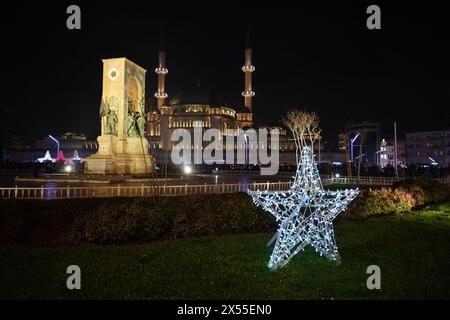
x=68, y=141
x=428, y=148
x=386, y=154
x=363, y=140
x=70, y=144
x=342, y=142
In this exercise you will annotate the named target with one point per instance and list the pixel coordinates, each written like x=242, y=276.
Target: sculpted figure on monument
x=109, y=111
x=131, y=122
x=141, y=124
x=113, y=103
x=111, y=123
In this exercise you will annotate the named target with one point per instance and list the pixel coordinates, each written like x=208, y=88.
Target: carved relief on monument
x=131, y=121
x=136, y=108
x=108, y=115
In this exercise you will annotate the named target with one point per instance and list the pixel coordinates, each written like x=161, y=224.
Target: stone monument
x=122, y=145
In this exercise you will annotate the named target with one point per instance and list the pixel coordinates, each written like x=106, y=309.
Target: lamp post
x=57, y=144
x=352, y=141
x=433, y=162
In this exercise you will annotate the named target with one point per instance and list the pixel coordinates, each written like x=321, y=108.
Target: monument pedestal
x=122, y=147
x=114, y=156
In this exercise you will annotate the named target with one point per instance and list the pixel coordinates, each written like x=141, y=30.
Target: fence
x=328, y=179
x=367, y=181
x=70, y=192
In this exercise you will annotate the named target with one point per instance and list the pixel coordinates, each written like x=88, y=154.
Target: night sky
x=322, y=59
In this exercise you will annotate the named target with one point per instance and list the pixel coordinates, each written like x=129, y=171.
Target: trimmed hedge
x=146, y=219
x=171, y=217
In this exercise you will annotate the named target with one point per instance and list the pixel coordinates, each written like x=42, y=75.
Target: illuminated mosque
x=200, y=108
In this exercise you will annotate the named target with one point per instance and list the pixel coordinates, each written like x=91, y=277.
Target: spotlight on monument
x=337, y=175
x=68, y=168
x=187, y=169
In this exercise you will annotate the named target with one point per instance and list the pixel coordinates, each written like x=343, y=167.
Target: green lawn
x=412, y=250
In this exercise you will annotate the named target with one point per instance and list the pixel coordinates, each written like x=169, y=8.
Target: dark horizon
x=320, y=59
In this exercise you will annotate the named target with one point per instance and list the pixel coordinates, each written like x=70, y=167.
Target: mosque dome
x=197, y=96
x=242, y=109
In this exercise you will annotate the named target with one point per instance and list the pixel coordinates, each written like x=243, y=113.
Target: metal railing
x=329, y=179
x=367, y=181
x=70, y=192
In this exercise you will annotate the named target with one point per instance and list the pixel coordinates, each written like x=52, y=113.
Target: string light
x=304, y=213
x=47, y=157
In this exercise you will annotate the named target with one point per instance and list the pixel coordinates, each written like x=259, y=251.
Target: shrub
x=382, y=201
x=111, y=224
x=217, y=214
x=426, y=191
x=416, y=192
x=145, y=219
x=15, y=220
x=171, y=217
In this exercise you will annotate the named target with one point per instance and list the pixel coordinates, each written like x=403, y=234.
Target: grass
x=412, y=250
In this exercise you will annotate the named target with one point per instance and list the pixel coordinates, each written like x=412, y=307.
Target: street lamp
x=57, y=144
x=352, y=141
x=433, y=162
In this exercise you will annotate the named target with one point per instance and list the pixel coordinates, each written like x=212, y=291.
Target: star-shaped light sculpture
x=304, y=213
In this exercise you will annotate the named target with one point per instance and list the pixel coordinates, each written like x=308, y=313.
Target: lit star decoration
x=305, y=212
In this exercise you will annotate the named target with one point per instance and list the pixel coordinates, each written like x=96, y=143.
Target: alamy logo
x=74, y=280
x=74, y=20
x=374, y=20
x=374, y=280
x=238, y=147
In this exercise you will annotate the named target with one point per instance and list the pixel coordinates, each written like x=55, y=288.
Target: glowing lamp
x=187, y=169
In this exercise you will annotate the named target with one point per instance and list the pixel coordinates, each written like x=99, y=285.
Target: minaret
x=161, y=71
x=248, y=69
